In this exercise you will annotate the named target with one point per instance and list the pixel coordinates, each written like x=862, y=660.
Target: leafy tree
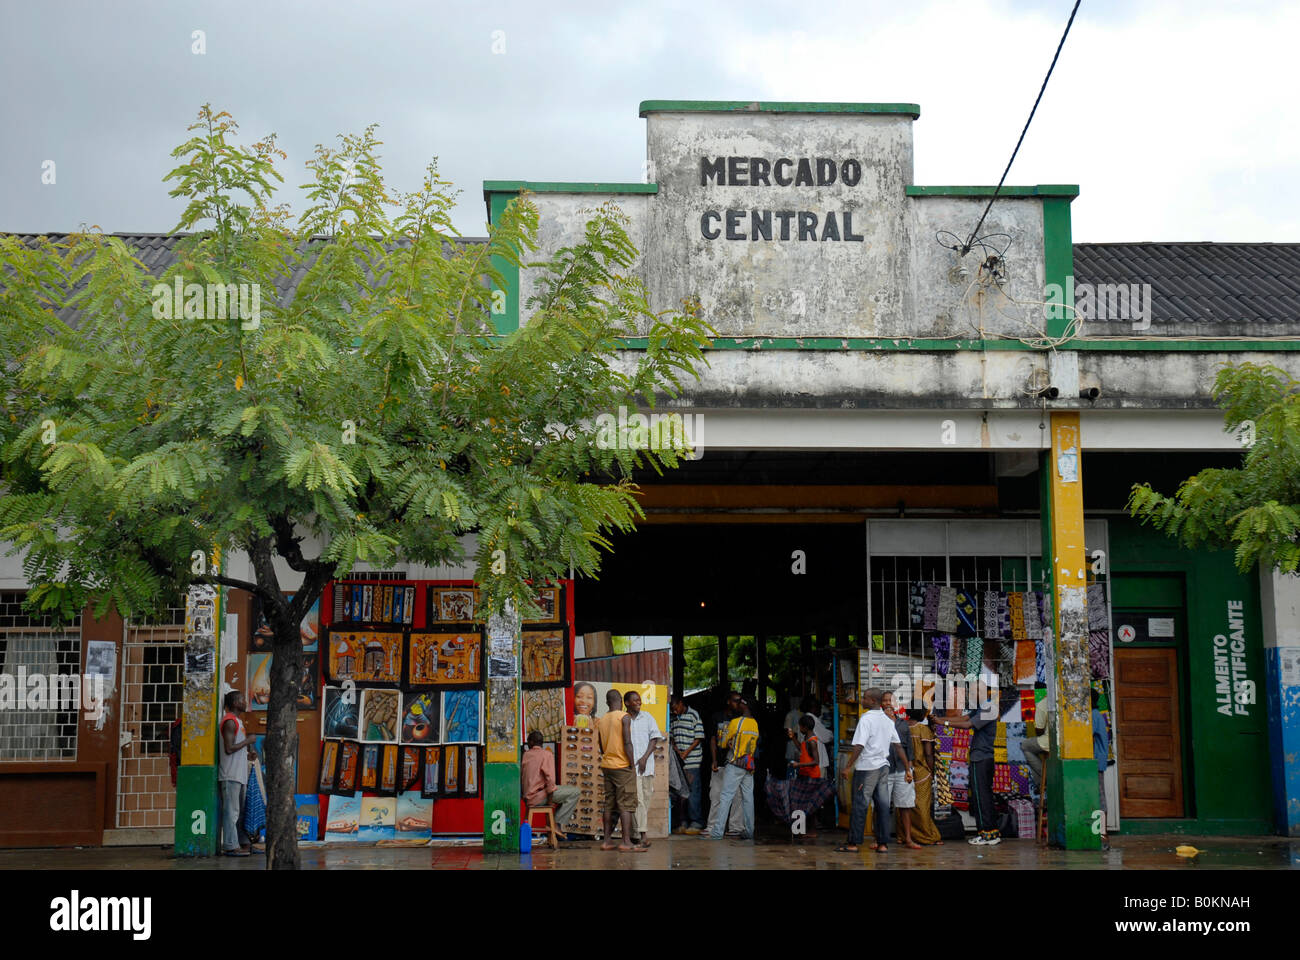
x=370, y=412
x=1253, y=509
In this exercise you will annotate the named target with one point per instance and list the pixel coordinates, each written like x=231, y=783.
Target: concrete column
x=1280, y=610
x=1072, y=795
x=501, y=800
x=198, y=823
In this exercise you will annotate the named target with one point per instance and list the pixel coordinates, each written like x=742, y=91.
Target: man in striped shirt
x=687, y=734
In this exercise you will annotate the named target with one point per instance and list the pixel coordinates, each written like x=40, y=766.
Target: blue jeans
x=733, y=779
x=694, y=811
x=232, y=815
x=870, y=786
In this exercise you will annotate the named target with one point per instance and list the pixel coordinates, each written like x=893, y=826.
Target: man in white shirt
x=645, y=733
x=874, y=738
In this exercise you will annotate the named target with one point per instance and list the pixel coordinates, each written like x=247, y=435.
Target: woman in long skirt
x=924, y=830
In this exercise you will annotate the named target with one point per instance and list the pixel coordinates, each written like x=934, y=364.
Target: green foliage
x=1253, y=509
x=137, y=435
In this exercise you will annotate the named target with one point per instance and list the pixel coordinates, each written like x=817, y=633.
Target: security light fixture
x=1049, y=393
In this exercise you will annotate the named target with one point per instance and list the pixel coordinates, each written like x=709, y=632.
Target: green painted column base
x=1073, y=804
x=198, y=819
x=501, y=805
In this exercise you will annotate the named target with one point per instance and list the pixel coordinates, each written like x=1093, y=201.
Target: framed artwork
x=259, y=680
x=548, y=598
x=408, y=777
x=309, y=682
x=345, y=780
x=545, y=657
x=367, y=657
x=259, y=743
x=339, y=713
x=369, y=777
x=309, y=626
x=329, y=761
x=432, y=772
x=421, y=716
x=388, y=768
x=462, y=716
x=453, y=605
x=414, y=815
x=379, y=713
x=451, y=771
x=263, y=636
x=307, y=810
x=444, y=660
x=544, y=711
x=343, y=818
x=470, y=771
x=378, y=820
x=503, y=722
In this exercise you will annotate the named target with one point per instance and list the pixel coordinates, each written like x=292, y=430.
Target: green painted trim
x=921, y=344
x=554, y=186
x=1058, y=261
x=1041, y=190
x=501, y=808
x=507, y=322
x=773, y=106
x=1204, y=828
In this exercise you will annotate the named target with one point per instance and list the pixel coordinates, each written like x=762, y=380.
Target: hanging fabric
x=1098, y=615
x=942, y=644
x=916, y=605
x=948, y=621
x=1033, y=616
x=974, y=655
x=1016, y=604
x=931, y=617
x=1099, y=654
x=967, y=620
x=1026, y=657
x=989, y=615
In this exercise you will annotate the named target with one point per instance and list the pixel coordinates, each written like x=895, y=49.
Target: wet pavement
x=699, y=853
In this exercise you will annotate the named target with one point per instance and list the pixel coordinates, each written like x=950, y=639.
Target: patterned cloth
x=1027, y=702
x=1026, y=660
x=1034, y=616
x=1000, y=744
x=948, y=621
x=255, y=801
x=1099, y=653
x=1015, y=733
x=1026, y=819
x=797, y=793
x=1001, y=778
x=1016, y=604
x=989, y=617
x=916, y=605
x=1098, y=615
x=942, y=782
x=956, y=654
x=1021, y=779
x=944, y=742
x=930, y=620
x=967, y=619
x=974, y=655
x=959, y=775
x=942, y=654
x=960, y=748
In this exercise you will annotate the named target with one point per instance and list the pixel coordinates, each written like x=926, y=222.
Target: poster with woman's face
x=585, y=703
x=589, y=700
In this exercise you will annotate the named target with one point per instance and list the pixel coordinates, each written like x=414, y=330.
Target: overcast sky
x=1178, y=120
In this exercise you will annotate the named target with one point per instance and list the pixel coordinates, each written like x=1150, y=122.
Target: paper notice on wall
x=1160, y=626
x=1289, y=666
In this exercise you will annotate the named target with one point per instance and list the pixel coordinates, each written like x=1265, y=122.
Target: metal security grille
x=30, y=647
x=152, y=691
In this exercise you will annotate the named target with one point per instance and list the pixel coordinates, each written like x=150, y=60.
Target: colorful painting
x=453, y=605
x=378, y=820
x=546, y=657
x=420, y=718
x=307, y=810
x=263, y=636
x=502, y=722
x=414, y=815
x=388, y=768
x=259, y=680
x=379, y=713
x=259, y=744
x=365, y=657
x=409, y=778
x=548, y=598
x=329, y=759
x=339, y=716
x=451, y=771
x=462, y=716
x=445, y=659
x=343, y=819
x=309, y=682
x=469, y=772
x=432, y=771
x=544, y=711
x=345, y=781
x=369, y=767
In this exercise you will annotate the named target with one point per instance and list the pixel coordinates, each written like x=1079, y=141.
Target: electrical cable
x=966, y=247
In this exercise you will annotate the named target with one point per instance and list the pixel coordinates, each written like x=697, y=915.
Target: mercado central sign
x=794, y=220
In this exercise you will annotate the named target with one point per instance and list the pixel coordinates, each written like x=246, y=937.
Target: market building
x=885, y=426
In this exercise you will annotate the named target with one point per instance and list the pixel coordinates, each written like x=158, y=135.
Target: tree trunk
x=282, y=747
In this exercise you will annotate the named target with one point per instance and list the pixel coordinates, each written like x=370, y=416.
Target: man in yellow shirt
x=614, y=731
x=741, y=745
